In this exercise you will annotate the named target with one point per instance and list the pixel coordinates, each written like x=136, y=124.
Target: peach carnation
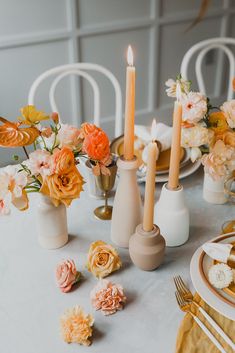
x=67, y=275
x=96, y=145
x=76, y=326
x=107, y=297
x=103, y=259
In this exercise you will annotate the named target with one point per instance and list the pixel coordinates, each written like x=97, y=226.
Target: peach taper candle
x=173, y=182
x=150, y=187
x=130, y=108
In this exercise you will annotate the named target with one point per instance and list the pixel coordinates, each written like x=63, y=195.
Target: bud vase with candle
x=127, y=207
x=171, y=212
x=147, y=246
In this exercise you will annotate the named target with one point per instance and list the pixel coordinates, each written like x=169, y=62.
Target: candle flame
x=154, y=130
x=130, y=58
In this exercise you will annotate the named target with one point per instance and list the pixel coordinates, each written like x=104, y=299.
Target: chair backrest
x=203, y=47
x=78, y=69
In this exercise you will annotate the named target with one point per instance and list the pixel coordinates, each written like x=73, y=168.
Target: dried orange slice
x=12, y=135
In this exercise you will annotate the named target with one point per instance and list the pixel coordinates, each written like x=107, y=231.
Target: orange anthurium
x=12, y=135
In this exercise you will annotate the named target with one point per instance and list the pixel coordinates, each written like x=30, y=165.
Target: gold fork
x=188, y=297
x=185, y=306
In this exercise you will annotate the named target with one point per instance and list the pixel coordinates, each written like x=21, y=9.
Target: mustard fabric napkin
x=191, y=338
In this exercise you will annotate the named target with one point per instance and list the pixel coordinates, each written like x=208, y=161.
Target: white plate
x=184, y=172
x=215, y=298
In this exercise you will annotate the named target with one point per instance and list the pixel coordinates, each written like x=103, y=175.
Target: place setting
x=117, y=180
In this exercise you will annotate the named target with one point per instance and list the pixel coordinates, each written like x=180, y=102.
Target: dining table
x=31, y=304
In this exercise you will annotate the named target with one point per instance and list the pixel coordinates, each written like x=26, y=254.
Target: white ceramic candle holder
x=172, y=216
x=127, y=206
x=147, y=248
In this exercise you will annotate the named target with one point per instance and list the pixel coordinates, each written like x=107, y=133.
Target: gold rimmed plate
x=163, y=162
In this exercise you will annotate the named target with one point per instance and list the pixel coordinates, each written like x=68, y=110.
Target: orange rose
x=63, y=161
x=218, y=123
x=229, y=138
x=96, y=145
x=87, y=129
x=63, y=188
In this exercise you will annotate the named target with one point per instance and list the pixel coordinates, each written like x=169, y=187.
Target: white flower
x=195, y=136
x=229, y=110
x=194, y=107
x=184, y=86
x=40, y=162
x=220, y=161
x=5, y=204
x=15, y=180
x=195, y=154
x=220, y=276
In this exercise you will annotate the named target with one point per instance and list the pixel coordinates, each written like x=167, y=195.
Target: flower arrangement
x=207, y=130
x=108, y=297
x=102, y=259
x=51, y=169
x=76, y=326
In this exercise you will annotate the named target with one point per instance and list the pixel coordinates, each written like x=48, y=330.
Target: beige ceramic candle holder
x=127, y=206
x=147, y=249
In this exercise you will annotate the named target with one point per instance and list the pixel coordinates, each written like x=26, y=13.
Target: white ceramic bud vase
x=172, y=216
x=127, y=206
x=213, y=191
x=51, y=224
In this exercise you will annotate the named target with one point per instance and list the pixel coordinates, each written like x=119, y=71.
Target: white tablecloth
x=31, y=304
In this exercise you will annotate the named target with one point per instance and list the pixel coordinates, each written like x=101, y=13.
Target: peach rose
x=103, y=259
x=229, y=138
x=96, y=145
x=76, y=326
x=108, y=297
x=63, y=161
x=67, y=275
x=63, y=188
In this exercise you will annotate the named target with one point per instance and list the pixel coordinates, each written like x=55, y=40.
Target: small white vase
x=172, y=216
x=213, y=191
x=51, y=224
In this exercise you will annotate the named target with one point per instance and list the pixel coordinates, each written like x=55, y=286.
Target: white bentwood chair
x=80, y=69
x=204, y=47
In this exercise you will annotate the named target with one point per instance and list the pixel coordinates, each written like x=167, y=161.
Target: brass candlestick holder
x=106, y=183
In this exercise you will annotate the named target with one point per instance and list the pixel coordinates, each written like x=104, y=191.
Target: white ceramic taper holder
x=172, y=216
x=127, y=206
x=147, y=248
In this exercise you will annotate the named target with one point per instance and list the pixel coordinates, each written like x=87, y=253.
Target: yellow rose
x=102, y=259
x=63, y=188
x=229, y=138
x=31, y=116
x=218, y=123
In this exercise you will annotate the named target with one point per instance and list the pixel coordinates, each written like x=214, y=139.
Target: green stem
x=25, y=151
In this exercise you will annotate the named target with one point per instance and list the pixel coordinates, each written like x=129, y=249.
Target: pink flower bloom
x=194, y=107
x=40, y=162
x=67, y=275
x=107, y=297
x=5, y=204
x=69, y=136
x=14, y=180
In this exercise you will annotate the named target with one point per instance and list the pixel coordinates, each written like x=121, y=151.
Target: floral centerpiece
x=208, y=131
x=51, y=169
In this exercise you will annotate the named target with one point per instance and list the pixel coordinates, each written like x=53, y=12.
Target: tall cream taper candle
x=130, y=108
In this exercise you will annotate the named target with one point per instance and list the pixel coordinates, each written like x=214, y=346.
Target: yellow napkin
x=191, y=338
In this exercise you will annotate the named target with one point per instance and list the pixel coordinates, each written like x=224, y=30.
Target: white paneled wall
x=37, y=35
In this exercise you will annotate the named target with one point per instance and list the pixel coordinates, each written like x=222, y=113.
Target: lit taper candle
x=129, y=108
